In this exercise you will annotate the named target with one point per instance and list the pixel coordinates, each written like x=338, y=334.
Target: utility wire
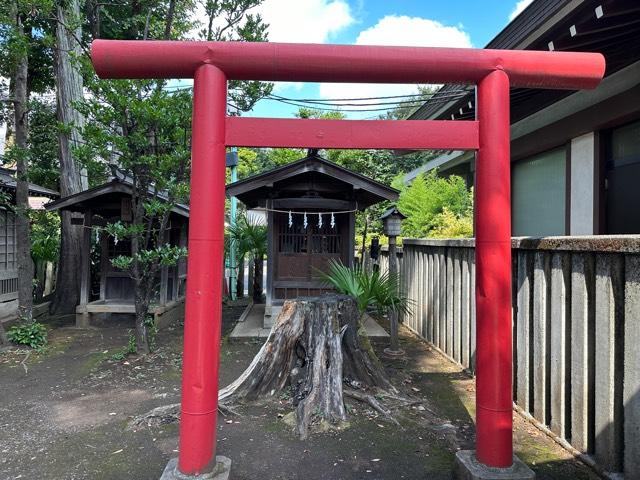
x=384, y=109
x=427, y=95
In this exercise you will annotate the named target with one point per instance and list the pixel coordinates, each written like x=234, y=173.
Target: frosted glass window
x=538, y=193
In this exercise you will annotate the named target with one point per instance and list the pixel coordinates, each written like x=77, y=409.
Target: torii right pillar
x=494, y=368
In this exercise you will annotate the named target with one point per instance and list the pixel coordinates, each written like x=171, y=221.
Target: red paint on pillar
x=204, y=288
x=494, y=420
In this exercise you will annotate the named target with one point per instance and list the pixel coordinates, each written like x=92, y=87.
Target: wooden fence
x=576, y=332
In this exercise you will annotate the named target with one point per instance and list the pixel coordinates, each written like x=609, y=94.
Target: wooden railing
x=8, y=285
x=576, y=332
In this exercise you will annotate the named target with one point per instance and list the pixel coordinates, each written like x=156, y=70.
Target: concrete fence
x=576, y=332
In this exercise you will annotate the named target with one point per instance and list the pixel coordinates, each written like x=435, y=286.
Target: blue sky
x=455, y=23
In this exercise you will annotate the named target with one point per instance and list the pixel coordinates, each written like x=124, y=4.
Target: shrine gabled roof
x=100, y=199
x=8, y=182
x=254, y=190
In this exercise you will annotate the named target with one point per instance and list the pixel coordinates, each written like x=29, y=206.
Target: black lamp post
x=392, y=227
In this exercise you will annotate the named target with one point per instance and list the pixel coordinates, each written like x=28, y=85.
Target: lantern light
x=392, y=221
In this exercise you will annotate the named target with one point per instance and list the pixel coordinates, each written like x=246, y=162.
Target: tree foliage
x=44, y=167
x=436, y=206
x=144, y=128
x=250, y=240
x=231, y=20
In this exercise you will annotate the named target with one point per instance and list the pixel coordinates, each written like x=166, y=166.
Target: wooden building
x=105, y=289
x=8, y=264
x=310, y=206
x=575, y=155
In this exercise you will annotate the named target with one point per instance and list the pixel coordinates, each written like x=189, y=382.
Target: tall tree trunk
x=169, y=23
x=142, y=310
x=3, y=336
x=73, y=179
x=257, y=279
x=240, y=278
x=23, y=239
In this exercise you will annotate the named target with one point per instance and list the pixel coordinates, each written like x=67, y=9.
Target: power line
x=423, y=96
x=400, y=102
x=337, y=108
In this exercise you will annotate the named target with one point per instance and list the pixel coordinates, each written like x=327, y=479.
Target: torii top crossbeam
x=212, y=64
x=345, y=63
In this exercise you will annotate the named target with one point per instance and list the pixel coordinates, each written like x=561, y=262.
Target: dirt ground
x=64, y=415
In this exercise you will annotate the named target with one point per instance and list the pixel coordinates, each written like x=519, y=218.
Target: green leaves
x=250, y=237
x=434, y=204
x=369, y=289
x=45, y=235
x=121, y=230
x=164, y=255
x=32, y=334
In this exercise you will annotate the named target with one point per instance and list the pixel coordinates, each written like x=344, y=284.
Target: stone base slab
x=221, y=472
x=467, y=467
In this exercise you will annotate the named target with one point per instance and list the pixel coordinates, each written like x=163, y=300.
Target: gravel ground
x=64, y=415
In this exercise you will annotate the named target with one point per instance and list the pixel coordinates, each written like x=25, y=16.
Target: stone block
x=467, y=467
x=220, y=472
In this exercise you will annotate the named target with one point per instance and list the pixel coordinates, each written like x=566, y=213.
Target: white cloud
x=520, y=6
x=299, y=21
x=398, y=31
x=413, y=31
x=305, y=21
x=281, y=87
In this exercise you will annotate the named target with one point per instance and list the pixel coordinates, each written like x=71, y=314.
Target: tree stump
x=313, y=348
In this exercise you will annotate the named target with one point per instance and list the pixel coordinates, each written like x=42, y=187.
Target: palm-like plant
x=370, y=289
x=250, y=240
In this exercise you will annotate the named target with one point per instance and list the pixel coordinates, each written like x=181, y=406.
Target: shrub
x=370, y=289
x=449, y=225
x=432, y=204
x=32, y=334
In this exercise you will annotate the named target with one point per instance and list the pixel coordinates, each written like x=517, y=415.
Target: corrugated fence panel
x=560, y=336
x=523, y=329
x=423, y=291
x=465, y=311
x=540, y=337
x=576, y=317
x=457, y=291
x=631, y=397
x=582, y=355
x=608, y=375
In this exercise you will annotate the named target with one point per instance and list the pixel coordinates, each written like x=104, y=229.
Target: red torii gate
x=211, y=64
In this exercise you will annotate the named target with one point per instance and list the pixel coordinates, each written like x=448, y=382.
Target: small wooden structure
x=8, y=263
x=108, y=290
x=310, y=205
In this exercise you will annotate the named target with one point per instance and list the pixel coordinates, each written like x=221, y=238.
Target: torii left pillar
x=201, y=360
x=205, y=262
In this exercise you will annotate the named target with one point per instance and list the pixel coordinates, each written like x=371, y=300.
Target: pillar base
x=467, y=467
x=394, y=353
x=83, y=319
x=221, y=472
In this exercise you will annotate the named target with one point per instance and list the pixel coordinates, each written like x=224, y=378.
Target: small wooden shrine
x=8, y=245
x=105, y=289
x=310, y=206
